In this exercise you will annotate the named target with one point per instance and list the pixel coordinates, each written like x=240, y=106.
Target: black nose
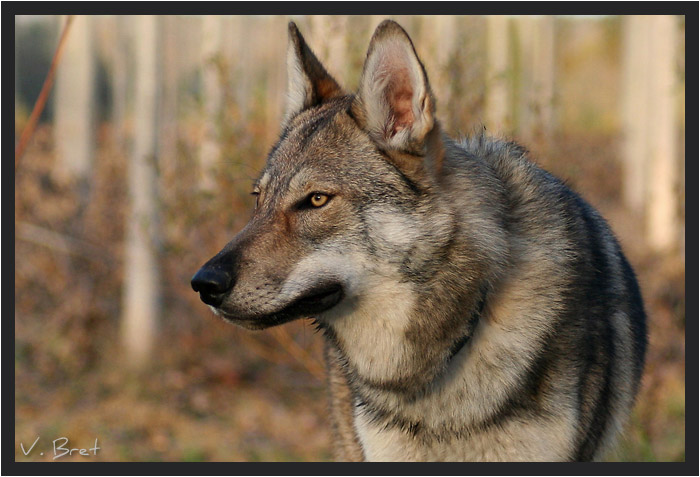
x=212, y=284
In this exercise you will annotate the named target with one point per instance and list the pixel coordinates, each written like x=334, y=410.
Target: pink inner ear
x=399, y=96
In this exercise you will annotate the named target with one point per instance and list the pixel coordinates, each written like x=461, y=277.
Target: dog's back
x=594, y=352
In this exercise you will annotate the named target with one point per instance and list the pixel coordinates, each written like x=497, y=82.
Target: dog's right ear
x=394, y=103
x=308, y=83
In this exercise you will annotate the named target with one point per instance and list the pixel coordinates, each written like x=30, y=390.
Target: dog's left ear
x=394, y=103
x=308, y=83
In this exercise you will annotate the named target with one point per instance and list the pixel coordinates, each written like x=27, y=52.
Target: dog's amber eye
x=318, y=200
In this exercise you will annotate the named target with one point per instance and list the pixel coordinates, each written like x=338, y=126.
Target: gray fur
x=473, y=306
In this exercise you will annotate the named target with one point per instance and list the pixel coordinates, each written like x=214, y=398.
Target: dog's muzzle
x=213, y=284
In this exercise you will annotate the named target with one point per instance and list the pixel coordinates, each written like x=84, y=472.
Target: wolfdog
x=473, y=307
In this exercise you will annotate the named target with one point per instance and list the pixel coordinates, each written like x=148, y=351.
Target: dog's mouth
x=318, y=300
x=314, y=301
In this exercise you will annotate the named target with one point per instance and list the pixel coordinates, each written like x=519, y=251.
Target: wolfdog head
x=349, y=214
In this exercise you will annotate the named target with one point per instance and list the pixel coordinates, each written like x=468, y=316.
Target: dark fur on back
x=602, y=283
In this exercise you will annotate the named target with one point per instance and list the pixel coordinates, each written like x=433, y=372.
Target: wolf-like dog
x=473, y=306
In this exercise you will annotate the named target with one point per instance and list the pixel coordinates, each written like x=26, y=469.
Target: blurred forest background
x=141, y=166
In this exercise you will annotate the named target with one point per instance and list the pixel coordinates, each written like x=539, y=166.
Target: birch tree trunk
x=329, y=42
x=275, y=52
x=141, y=275
x=543, y=75
x=210, y=150
x=662, y=223
x=499, y=116
x=536, y=85
x=243, y=64
x=120, y=80
x=168, y=114
x=650, y=126
x=440, y=42
x=74, y=104
x=636, y=44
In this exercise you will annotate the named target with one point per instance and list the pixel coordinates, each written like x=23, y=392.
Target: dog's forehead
x=310, y=127
x=312, y=138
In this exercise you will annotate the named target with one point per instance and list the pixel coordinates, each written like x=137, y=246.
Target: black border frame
x=687, y=8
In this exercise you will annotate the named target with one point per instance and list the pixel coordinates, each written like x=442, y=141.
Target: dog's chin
x=313, y=302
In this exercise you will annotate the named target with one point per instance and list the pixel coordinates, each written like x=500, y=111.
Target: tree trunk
x=74, y=104
x=329, y=42
x=635, y=112
x=168, y=114
x=543, y=76
x=536, y=85
x=499, y=116
x=439, y=38
x=662, y=222
x=650, y=126
x=243, y=64
x=141, y=275
x=210, y=149
x=275, y=53
x=120, y=81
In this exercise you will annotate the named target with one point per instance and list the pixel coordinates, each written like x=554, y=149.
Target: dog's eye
x=256, y=193
x=318, y=200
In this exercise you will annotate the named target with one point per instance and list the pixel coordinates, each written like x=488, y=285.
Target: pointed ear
x=395, y=102
x=308, y=83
